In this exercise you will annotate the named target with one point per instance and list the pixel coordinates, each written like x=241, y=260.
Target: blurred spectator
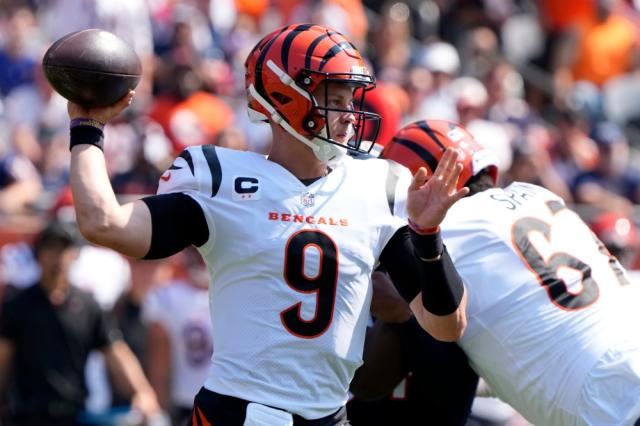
x=532, y=163
x=147, y=160
x=19, y=184
x=39, y=121
x=191, y=46
x=596, y=50
x=416, y=85
x=179, y=327
x=198, y=120
x=586, y=98
x=443, y=62
x=105, y=275
x=50, y=387
x=612, y=184
x=345, y=16
x=127, y=311
x=390, y=42
x=223, y=13
x=572, y=150
x=506, y=104
x=17, y=58
x=18, y=267
x=479, y=52
x=557, y=18
x=471, y=102
x=185, y=79
x=29, y=103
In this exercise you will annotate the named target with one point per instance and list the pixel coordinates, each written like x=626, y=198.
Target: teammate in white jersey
x=179, y=336
x=290, y=239
x=552, y=322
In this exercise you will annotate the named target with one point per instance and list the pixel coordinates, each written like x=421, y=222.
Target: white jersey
x=290, y=270
x=545, y=300
x=183, y=311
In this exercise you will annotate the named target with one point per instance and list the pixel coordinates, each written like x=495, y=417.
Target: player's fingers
x=76, y=110
x=446, y=164
x=124, y=102
x=459, y=195
x=454, y=175
x=419, y=178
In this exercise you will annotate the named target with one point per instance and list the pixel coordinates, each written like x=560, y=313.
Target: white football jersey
x=290, y=270
x=183, y=311
x=545, y=299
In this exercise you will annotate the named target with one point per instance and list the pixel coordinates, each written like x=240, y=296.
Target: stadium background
x=551, y=86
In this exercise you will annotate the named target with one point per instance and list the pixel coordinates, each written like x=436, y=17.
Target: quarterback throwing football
x=290, y=239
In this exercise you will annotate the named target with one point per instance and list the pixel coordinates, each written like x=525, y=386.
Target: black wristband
x=443, y=289
x=427, y=246
x=86, y=134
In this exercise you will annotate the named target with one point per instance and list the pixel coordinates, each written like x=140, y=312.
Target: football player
x=290, y=239
x=551, y=315
x=408, y=377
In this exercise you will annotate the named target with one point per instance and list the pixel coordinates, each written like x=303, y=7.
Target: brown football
x=92, y=67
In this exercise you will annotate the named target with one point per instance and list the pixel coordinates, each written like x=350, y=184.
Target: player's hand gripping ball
x=92, y=68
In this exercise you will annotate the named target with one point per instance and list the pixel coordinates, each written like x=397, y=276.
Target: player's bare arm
x=428, y=200
x=127, y=372
x=102, y=220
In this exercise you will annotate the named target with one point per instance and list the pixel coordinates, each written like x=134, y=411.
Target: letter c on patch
x=246, y=185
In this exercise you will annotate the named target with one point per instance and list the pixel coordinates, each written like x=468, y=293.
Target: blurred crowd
x=551, y=86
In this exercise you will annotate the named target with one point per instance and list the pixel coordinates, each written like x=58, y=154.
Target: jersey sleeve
x=177, y=211
x=195, y=171
x=398, y=181
x=180, y=176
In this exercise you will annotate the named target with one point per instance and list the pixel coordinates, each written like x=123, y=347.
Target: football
x=92, y=67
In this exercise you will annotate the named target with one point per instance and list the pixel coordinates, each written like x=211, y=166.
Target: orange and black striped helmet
x=617, y=231
x=421, y=144
x=284, y=69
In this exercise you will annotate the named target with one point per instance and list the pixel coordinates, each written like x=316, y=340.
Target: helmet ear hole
x=304, y=80
x=281, y=98
x=313, y=123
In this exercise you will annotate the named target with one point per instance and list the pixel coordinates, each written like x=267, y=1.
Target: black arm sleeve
x=177, y=221
x=438, y=280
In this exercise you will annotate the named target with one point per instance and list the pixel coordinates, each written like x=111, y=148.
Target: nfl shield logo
x=307, y=199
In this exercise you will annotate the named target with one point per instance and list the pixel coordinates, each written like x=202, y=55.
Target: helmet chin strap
x=328, y=152
x=323, y=150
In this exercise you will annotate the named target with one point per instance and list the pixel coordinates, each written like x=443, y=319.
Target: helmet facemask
x=284, y=71
x=317, y=122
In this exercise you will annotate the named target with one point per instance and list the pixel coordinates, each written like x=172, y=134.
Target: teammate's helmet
x=618, y=233
x=284, y=69
x=422, y=144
